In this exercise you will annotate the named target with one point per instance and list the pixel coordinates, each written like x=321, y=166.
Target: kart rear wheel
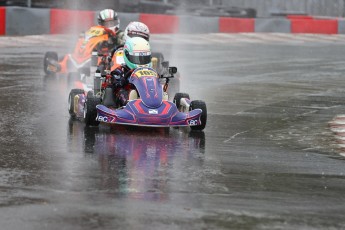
x=198, y=104
x=177, y=99
x=71, y=96
x=90, y=111
x=48, y=57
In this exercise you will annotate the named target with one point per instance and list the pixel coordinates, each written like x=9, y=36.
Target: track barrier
x=236, y=25
x=2, y=20
x=70, y=21
x=60, y=21
x=314, y=26
x=160, y=24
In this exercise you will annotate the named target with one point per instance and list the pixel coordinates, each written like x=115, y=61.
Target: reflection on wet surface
x=137, y=163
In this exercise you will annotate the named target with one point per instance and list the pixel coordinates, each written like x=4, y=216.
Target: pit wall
x=33, y=21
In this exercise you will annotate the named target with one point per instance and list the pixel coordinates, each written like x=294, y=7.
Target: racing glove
x=118, y=78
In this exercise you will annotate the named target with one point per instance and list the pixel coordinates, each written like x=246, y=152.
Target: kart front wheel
x=177, y=99
x=90, y=111
x=198, y=104
x=49, y=57
x=71, y=104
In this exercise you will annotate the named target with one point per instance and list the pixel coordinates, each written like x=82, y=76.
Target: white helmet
x=137, y=53
x=137, y=29
x=109, y=19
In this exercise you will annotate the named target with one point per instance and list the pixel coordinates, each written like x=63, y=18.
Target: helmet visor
x=139, y=58
x=111, y=23
x=132, y=34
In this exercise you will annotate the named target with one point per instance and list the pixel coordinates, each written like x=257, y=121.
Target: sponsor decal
x=153, y=111
x=95, y=32
x=193, y=122
x=106, y=119
x=140, y=53
x=141, y=73
x=102, y=118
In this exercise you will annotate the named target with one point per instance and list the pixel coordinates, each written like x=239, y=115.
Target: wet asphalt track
x=266, y=160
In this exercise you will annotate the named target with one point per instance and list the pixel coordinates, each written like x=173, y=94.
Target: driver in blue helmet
x=137, y=53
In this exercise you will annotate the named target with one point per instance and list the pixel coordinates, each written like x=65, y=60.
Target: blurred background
x=226, y=8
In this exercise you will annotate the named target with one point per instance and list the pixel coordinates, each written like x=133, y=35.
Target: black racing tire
x=50, y=55
x=71, y=96
x=90, y=94
x=198, y=104
x=178, y=97
x=90, y=111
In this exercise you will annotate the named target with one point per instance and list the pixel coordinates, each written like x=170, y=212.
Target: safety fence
x=33, y=21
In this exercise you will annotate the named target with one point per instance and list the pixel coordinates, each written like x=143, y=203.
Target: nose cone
x=152, y=94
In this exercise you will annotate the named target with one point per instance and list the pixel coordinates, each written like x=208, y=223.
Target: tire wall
x=314, y=26
x=70, y=21
x=27, y=21
x=125, y=19
x=34, y=21
x=2, y=20
x=236, y=25
x=341, y=26
x=189, y=24
x=272, y=25
x=158, y=23
x=264, y=8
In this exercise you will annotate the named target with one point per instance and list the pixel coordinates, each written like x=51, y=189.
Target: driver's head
x=137, y=29
x=108, y=18
x=137, y=53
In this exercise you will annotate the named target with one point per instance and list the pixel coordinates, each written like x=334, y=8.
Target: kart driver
x=137, y=29
x=133, y=29
x=137, y=53
x=108, y=18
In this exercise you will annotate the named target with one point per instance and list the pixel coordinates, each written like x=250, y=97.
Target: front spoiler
x=136, y=113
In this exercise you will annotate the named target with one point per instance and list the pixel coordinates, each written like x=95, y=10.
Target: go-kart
x=77, y=63
x=148, y=103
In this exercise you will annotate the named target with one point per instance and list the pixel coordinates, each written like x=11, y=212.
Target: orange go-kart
x=78, y=62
